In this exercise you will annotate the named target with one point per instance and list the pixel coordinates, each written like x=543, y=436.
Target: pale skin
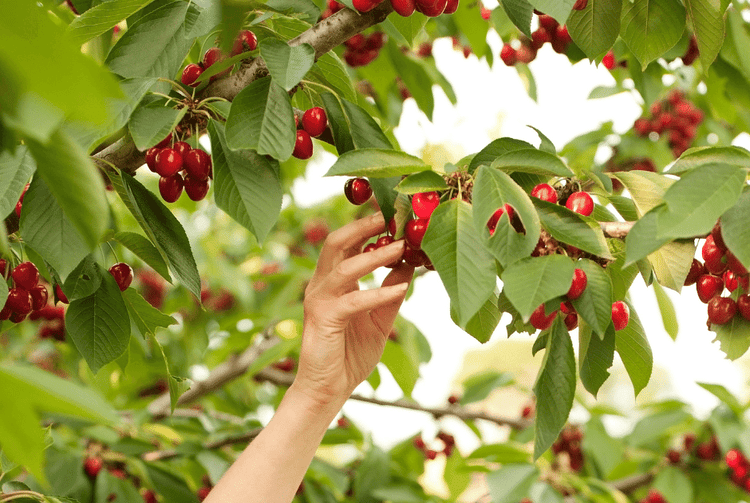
x=345, y=331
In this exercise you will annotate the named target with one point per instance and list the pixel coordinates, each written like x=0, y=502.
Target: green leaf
x=424, y=181
x=595, y=303
x=666, y=308
x=99, y=324
x=145, y=250
x=641, y=241
x=401, y=367
x=287, y=64
x=707, y=19
x=554, y=388
x=46, y=229
x=15, y=171
x=261, y=118
x=533, y=281
x=595, y=357
x=169, y=485
x=558, y=9
x=502, y=453
x=532, y=161
x=646, y=189
x=607, y=452
x=725, y=396
x=512, y=482
x=652, y=27
x=3, y=292
x=145, y=316
x=330, y=71
x=107, y=485
x=407, y=27
x=483, y=324
x=492, y=190
x=479, y=386
x=102, y=18
x=572, y=228
x=595, y=28
x=733, y=337
x=163, y=228
x=152, y=122
x=467, y=19
x=520, y=13
x=246, y=185
x=338, y=123
x=634, y=350
x=456, y=475
x=545, y=144
x=465, y=266
x=698, y=199
x=699, y=156
x=372, y=473
x=735, y=231
x=84, y=280
x=76, y=185
x=671, y=263
x=674, y=485
x=376, y=163
x=415, y=78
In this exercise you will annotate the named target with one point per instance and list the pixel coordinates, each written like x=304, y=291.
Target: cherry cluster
x=674, y=116
x=720, y=269
x=314, y=122
x=740, y=468
x=53, y=326
x=180, y=166
x=423, y=204
x=430, y=8
x=245, y=41
x=332, y=7
x=362, y=49
x=569, y=441
x=653, y=496
x=27, y=294
x=449, y=443
x=549, y=31
x=217, y=301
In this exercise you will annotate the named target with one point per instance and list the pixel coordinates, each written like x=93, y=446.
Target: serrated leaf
x=572, y=228
x=671, y=263
x=102, y=18
x=376, y=163
x=246, y=185
x=495, y=149
x=595, y=28
x=15, y=171
x=646, y=189
x=634, y=350
x=424, y=181
x=595, y=303
x=733, y=337
x=415, y=78
x=558, y=9
x=145, y=316
x=287, y=64
x=145, y=250
x=533, y=281
x=536, y=162
x=735, y=231
x=338, y=123
x=652, y=27
x=465, y=266
x=261, y=119
x=151, y=123
x=595, y=356
x=699, y=156
x=707, y=19
x=99, y=324
x=330, y=70
x=483, y=324
x=520, y=13
x=554, y=388
x=84, y=280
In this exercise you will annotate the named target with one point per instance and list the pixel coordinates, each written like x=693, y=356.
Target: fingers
x=384, y=315
x=347, y=241
x=365, y=300
x=352, y=269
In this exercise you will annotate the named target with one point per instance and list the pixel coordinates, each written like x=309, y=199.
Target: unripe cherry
x=357, y=190
x=578, y=285
x=303, y=146
x=424, y=203
x=545, y=192
x=315, y=121
x=580, y=202
x=620, y=314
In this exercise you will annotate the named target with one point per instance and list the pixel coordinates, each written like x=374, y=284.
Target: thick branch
x=616, y=229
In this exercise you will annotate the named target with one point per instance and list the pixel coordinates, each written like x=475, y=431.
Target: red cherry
x=708, y=286
x=61, y=295
x=567, y=307
x=580, y=4
x=39, y=297
x=541, y=321
x=123, y=274
x=721, y=310
x=655, y=496
x=196, y=189
x=392, y=227
x=431, y=8
x=151, y=158
x=451, y=7
x=182, y=148
x=548, y=23
x=404, y=8
x=149, y=497
x=620, y=314
x=735, y=265
x=17, y=317
x=197, y=164
x=712, y=255
x=509, y=55
x=116, y=472
x=743, y=305
x=19, y=204
x=430, y=454
x=696, y=271
x=364, y=5
x=578, y=285
x=734, y=458
x=545, y=192
x=384, y=241
x=414, y=232
x=415, y=258
x=580, y=202
x=731, y=281
x=211, y=56
x=495, y=218
x=245, y=41
x=357, y=190
x=3, y=266
x=168, y=162
x=314, y=121
x=303, y=146
x=370, y=247
x=5, y=312
x=92, y=466
x=190, y=74
x=718, y=238
x=170, y=187
x=571, y=321
x=609, y=60
x=674, y=456
x=424, y=203
x=25, y=275
x=356, y=42
x=203, y=493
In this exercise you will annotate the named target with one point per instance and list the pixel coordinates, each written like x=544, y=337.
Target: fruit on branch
x=696, y=271
x=392, y=227
x=19, y=204
x=451, y=7
x=39, y=297
x=370, y=247
x=203, y=493
x=424, y=203
x=620, y=314
x=580, y=4
x=414, y=232
x=571, y=321
x=485, y=13
x=653, y=496
x=508, y=55
x=692, y=52
x=609, y=60
x=361, y=49
x=25, y=275
x=123, y=274
x=495, y=218
x=732, y=281
x=431, y=8
x=580, y=202
x=676, y=118
x=545, y=192
x=190, y=74
x=735, y=265
x=3, y=267
x=357, y=190
x=197, y=164
x=743, y=306
x=149, y=496
x=430, y=454
x=674, y=456
x=721, y=310
x=404, y=8
x=414, y=257
x=19, y=301
x=60, y=295
x=717, y=237
x=196, y=189
x=92, y=466
x=303, y=146
x=713, y=256
x=708, y=286
x=245, y=41
x=540, y=320
x=578, y=285
x=365, y=5
x=453, y=399
x=569, y=442
x=168, y=162
x=151, y=158
x=170, y=187
x=315, y=121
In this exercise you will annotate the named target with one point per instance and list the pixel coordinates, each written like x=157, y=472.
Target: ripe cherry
x=495, y=218
x=123, y=274
x=3, y=266
x=170, y=187
x=303, y=146
x=620, y=314
x=509, y=55
x=370, y=247
x=357, y=190
x=196, y=189
x=182, y=148
x=451, y=7
x=743, y=305
x=25, y=275
x=430, y=454
x=674, y=456
x=151, y=158
x=404, y=8
x=717, y=237
x=190, y=74
x=414, y=232
x=732, y=281
x=540, y=320
x=314, y=121
x=696, y=271
x=392, y=228
x=721, y=310
x=709, y=286
x=734, y=458
x=245, y=41
x=211, y=56
x=168, y=162
x=149, y=497
x=431, y=8
x=712, y=255
x=571, y=321
x=364, y=5
x=415, y=258
x=39, y=297
x=5, y=312
x=545, y=192
x=197, y=164
x=61, y=295
x=93, y=466
x=424, y=203
x=580, y=202
x=578, y=285
x=735, y=265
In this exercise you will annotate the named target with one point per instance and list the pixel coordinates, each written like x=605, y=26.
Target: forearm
x=270, y=469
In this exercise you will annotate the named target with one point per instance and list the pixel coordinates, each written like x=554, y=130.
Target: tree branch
x=217, y=444
x=616, y=229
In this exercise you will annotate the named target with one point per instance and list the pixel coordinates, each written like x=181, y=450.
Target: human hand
x=345, y=328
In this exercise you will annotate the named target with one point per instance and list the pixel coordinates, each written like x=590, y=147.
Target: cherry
x=415, y=258
x=655, y=496
x=734, y=458
x=414, y=232
x=342, y=422
x=19, y=204
x=182, y=148
x=384, y=241
x=732, y=281
x=303, y=146
x=356, y=42
x=190, y=74
x=709, y=286
x=696, y=271
x=61, y=295
x=151, y=158
x=545, y=192
x=540, y=320
x=245, y=41
x=567, y=307
x=168, y=162
x=418, y=442
x=196, y=189
x=571, y=321
x=370, y=247
x=25, y=275
x=211, y=56
x=451, y=7
x=620, y=314
x=5, y=312
x=170, y=187
x=3, y=266
x=39, y=297
x=197, y=164
x=17, y=317
x=392, y=227
x=735, y=265
x=203, y=493
x=721, y=310
x=404, y=8
x=743, y=305
x=509, y=55
x=673, y=456
x=712, y=255
x=424, y=203
x=495, y=218
x=357, y=190
x=431, y=8
x=580, y=202
x=116, y=472
x=580, y=4
x=453, y=399
x=364, y=5
x=314, y=121
x=149, y=496
x=609, y=60
x=578, y=285
x=123, y=274
x=430, y=454
x=93, y=466
x=717, y=237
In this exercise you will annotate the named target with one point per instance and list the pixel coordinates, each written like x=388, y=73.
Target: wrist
x=314, y=402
